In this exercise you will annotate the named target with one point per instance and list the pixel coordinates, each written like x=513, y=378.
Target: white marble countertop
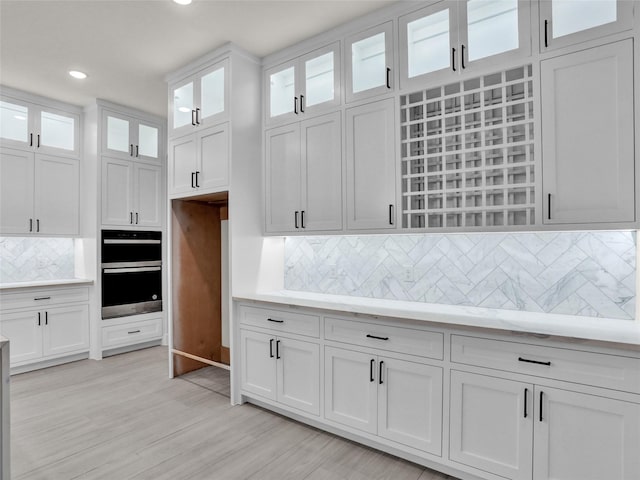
x=46, y=283
x=580, y=327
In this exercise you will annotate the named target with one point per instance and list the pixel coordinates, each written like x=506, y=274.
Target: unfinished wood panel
x=196, y=283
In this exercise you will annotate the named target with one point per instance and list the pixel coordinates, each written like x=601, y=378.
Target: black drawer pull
x=277, y=349
x=133, y=331
x=526, y=360
x=42, y=298
x=271, y=348
x=380, y=377
x=372, y=365
x=274, y=321
x=526, y=394
x=377, y=338
x=541, y=393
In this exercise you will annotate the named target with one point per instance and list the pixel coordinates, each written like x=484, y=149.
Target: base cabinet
x=281, y=369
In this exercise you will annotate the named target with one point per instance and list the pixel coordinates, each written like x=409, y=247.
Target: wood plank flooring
x=123, y=418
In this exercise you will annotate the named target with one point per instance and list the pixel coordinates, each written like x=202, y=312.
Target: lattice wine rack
x=467, y=153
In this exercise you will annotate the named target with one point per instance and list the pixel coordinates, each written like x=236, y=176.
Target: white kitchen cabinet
x=388, y=397
x=131, y=193
x=199, y=100
x=304, y=176
x=369, y=62
x=281, y=369
x=37, y=127
x=200, y=162
x=129, y=137
x=45, y=325
x=588, y=131
x=39, y=193
x=565, y=22
x=304, y=86
x=449, y=38
x=371, y=166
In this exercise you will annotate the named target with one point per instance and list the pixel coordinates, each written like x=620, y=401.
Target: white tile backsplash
x=576, y=273
x=25, y=259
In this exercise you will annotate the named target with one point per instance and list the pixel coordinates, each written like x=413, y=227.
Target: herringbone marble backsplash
x=24, y=259
x=576, y=273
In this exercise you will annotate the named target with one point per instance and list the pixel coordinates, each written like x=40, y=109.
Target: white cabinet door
x=147, y=137
x=16, y=123
x=410, y=404
x=57, y=195
x=369, y=60
x=147, y=195
x=320, y=79
x=57, y=132
x=587, y=127
x=182, y=164
x=371, y=166
x=258, y=373
x=281, y=92
x=212, y=93
x=321, y=161
x=282, y=177
x=182, y=106
x=66, y=330
x=117, y=200
x=565, y=22
x=586, y=437
x=16, y=191
x=350, y=389
x=117, y=135
x=212, y=172
x=491, y=425
x=24, y=331
x=298, y=374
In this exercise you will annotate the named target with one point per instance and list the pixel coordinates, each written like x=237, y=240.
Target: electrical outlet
x=408, y=274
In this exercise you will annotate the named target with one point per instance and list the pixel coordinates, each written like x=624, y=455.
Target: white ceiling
x=128, y=46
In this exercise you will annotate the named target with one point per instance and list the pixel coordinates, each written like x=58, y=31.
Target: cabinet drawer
x=385, y=337
x=131, y=333
x=597, y=369
x=279, y=321
x=43, y=298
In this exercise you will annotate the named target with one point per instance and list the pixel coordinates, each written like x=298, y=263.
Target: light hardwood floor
x=123, y=418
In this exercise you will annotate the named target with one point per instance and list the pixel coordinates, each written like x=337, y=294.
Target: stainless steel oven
x=131, y=272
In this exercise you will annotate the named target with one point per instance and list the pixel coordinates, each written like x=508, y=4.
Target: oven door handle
x=131, y=270
x=109, y=241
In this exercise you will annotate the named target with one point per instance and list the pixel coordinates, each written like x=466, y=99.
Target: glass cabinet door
x=492, y=27
x=212, y=93
x=183, y=105
x=428, y=42
x=370, y=62
x=147, y=146
x=117, y=136
x=321, y=73
x=282, y=90
x=57, y=131
x=566, y=22
x=14, y=123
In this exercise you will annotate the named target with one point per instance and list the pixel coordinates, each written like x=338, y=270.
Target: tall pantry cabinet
x=214, y=201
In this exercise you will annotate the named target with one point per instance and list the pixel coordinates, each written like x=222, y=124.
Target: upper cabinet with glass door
x=370, y=62
x=130, y=137
x=567, y=22
x=305, y=86
x=38, y=128
x=451, y=37
x=200, y=100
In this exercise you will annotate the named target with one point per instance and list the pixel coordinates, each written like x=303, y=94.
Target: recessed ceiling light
x=182, y=2
x=77, y=74
x=184, y=109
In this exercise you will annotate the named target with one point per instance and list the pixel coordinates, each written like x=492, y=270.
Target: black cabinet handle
x=453, y=59
x=380, y=373
x=46, y=318
x=388, y=77
x=526, y=394
x=37, y=224
x=302, y=219
x=526, y=360
x=42, y=298
x=193, y=118
x=549, y=206
x=390, y=214
x=277, y=349
x=31, y=224
x=136, y=218
x=131, y=149
x=131, y=218
x=197, y=180
x=377, y=338
x=133, y=331
x=296, y=219
x=39, y=319
x=274, y=321
x=372, y=364
x=271, y=348
x=192, y=177
x=546, y=34
x=541, y=405
x=197, y=116
x=295, y=105
x=301, y=103
x=137, y=151
x=31, y=139
x=38, y=145
x=462, y=57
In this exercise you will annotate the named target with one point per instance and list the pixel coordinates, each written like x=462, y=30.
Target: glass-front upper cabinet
x=307, y=85
x=30, y=126
x=454, y=36
x=567, y=22
x=128, y=137
x=370, y=64
x=200, y=100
